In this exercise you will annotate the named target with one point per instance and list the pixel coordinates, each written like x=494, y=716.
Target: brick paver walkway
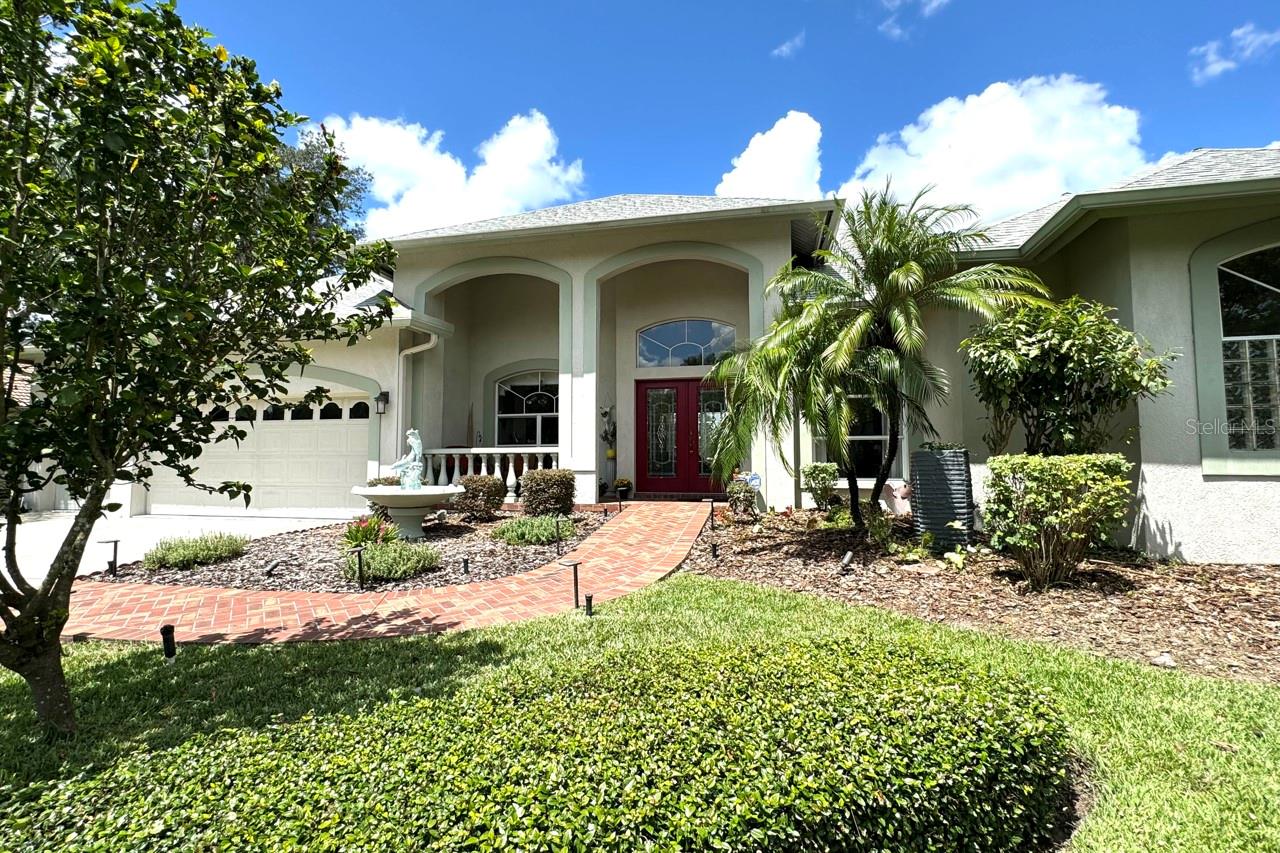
x=643, y=544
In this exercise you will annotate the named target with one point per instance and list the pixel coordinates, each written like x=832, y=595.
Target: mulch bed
x=312, y=560
x=1212, y=619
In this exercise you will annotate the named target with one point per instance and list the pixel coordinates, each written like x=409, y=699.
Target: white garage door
x=296, y=465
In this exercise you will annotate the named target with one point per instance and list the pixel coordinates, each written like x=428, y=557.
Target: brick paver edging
x=643, y=544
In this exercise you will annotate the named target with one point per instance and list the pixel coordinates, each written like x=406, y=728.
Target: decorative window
x=246, y=413
x=1249, y=299
x=868, y=442
x=331, y=412
x=528, y=409
x=358, y=412
x=218, y=414
x=301, y=413
x=684, y=343
x=273, y=412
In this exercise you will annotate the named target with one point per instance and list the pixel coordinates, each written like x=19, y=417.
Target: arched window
x=246, y=413
x=684, y=343
x=218, y=414
x=358, y=411
x=528, y=409
x=301, y=413
x=274, y=412
x=1249, y=298
x=331, y=412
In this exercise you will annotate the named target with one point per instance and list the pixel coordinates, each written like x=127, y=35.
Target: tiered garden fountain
x=409, y=502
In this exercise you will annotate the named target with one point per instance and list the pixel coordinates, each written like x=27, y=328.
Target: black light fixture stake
x=715, y=550
x=359, y=552
x=619, y=493
x=114, y=562
x=573, y=564
x=559, y=546
x=466, y=565
x=846, y=560
x=170, y=645
x=605, y=510
x=712, y=501
x=589, y=613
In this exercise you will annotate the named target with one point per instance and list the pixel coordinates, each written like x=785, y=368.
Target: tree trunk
x=890, y=454
x=856, y=522
x=44, y=675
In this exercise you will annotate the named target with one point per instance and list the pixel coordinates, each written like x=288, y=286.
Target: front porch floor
x=641, y=545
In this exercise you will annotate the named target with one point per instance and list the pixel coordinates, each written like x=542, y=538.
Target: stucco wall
x=1184, y=512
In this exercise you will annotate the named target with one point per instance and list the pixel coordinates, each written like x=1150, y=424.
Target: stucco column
x=579, y=327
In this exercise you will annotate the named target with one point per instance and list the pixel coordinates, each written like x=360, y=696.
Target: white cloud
x=417, y=184
x=789, y=48
x=1246, y=43
x=894, y=28
x=782, y=162
x=1009, y=148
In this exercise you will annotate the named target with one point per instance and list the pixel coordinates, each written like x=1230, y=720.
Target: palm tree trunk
x=856, y=521
x=890, y=455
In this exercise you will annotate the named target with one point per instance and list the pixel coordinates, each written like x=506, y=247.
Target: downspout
x=402, y=408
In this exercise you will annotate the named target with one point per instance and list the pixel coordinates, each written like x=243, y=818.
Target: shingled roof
x=21, y=384
x=1204, y=168
x=614, y=208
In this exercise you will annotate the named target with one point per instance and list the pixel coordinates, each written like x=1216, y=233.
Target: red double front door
x=674, y=420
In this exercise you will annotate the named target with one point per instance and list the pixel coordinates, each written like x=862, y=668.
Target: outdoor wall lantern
x=380, y=402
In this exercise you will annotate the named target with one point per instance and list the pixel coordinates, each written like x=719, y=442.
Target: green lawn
x=1179, y=762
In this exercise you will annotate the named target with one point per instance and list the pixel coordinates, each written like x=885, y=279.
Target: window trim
x=498, y=416
x=902, y=461
x=1216, y=457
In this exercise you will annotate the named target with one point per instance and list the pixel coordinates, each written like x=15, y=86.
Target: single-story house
x=513, y=335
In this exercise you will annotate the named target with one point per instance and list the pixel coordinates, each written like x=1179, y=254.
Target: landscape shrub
x=368, y=531
x=482, y=496
x=742, y=498
x=819, y=479
x=547, y=491
x=1047, y=511
x=394, y=560
x=378, y=510
x=533, y=530
x=777, y=747
x=194, y=551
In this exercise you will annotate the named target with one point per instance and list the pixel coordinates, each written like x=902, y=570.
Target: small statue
x=409, y=466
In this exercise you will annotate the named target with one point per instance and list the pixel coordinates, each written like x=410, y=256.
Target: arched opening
x=331, y=411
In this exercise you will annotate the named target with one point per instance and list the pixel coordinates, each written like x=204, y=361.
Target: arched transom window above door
x=1249, y=297
x=528, y=407
x=684, y=343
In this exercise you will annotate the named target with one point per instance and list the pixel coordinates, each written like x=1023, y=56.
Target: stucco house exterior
x=511, y=336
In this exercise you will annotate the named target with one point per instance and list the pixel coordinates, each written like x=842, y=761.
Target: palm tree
x=851, y=333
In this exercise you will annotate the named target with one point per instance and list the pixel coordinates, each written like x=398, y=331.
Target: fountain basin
x=407, y=507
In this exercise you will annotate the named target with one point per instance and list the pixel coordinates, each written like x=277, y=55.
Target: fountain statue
x=407, y=503
x=409, y=466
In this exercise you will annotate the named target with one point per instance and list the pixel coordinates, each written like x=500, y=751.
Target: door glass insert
x=711, y=411
x=660, y=411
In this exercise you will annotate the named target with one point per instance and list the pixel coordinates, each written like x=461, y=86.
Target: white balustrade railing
x=445, y=466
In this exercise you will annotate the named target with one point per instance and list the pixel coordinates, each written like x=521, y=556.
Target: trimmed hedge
x=534, y=530
x=1047, y=511
x=194, y=551
x=482, y=496
x=394, y=560
x=547, y=491
x=791, y=747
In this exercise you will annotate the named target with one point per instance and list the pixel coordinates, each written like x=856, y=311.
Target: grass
x=194, y=551
x=1179, y=762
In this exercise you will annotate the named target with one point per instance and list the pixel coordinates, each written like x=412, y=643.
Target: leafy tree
x=312, y=151
x=854, y=328
x=1065, y=371
x=157, y=258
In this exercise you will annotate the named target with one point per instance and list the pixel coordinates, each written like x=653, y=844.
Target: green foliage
x=482, y=496
x=819, y=479
x=1047, y=511
x=379, y=511
x=368, y=531
x=777, y=747
x=622, y=483
x=879, y=525
x=534, y=530
x=1065, y=371
x=191, y=551
x=547, y=491
x=743, y=499
x=163, y=257
x=394, y=560
x=388, y=480
x=311, y=155
x=851, y=333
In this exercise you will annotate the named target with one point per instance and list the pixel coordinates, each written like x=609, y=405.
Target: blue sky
x=469, y=110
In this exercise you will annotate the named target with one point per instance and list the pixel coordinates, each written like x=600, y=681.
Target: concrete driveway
x=40, y=534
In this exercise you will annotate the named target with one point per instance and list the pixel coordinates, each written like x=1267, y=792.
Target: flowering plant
x=368, y=531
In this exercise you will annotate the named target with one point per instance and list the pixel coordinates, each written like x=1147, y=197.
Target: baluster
x=442, y=479
x=457, y=469
x=511, y=476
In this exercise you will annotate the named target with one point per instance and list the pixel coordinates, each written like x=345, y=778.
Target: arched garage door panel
x=304, y=468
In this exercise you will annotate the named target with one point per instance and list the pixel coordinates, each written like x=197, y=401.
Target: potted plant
x=942, y=494
x=609, y=434
x=623, y=487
